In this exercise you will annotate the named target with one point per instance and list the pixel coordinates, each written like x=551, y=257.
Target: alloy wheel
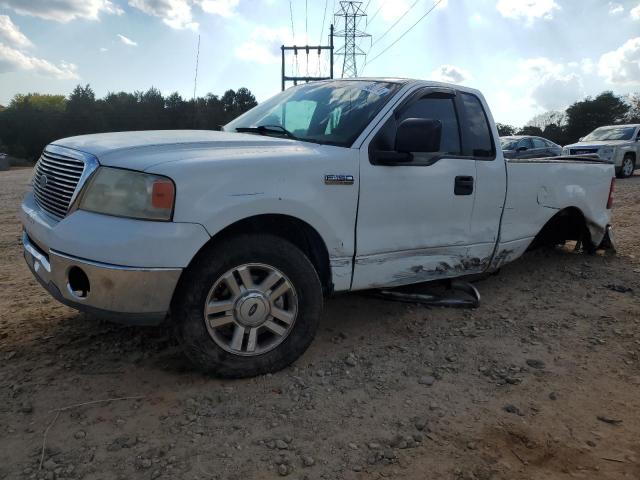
x=251, y=309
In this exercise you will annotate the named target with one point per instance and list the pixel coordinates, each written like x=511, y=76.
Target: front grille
x=55, y=181
x=583, y=151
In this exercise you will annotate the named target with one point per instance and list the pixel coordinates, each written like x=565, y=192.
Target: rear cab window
x=476, y=130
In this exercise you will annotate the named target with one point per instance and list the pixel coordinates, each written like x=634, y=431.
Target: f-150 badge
x=338, y=179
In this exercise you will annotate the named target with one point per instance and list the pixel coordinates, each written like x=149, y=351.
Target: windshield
x=334, y=112
x=610, y=133
x=509, y=143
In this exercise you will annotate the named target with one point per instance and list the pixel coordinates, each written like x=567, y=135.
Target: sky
x=526, y=56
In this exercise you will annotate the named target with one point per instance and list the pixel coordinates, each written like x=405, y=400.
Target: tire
x=627, y=168
x=214, y=345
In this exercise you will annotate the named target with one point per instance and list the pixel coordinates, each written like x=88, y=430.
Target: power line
x=376, y=13
x=406, y=32
x=294, y=59
x=324, y=17
x=306, y=20
x=395, y=23
x=293, y=32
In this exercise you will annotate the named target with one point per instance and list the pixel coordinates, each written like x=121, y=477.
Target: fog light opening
x=78, y=282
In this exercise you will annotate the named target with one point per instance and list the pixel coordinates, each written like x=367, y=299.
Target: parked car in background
x=524, y=146
x=619, y=144
x=4, y=162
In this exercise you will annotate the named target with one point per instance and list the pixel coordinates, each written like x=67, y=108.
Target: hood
x=139, y=150
x=598, y=144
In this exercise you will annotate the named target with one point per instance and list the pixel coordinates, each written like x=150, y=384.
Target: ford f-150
x=237, y=236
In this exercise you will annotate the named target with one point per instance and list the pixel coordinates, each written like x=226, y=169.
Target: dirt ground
x=542, y=381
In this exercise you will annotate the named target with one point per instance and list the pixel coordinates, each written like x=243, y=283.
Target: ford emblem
x=43, y=181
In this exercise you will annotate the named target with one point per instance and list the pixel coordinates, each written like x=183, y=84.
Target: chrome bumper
x=125, y=294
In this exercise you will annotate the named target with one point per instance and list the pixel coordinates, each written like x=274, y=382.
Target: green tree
x=505, y=130
x=591, y=113
x=245, y=100
x=530, y=130
x=633, y=115
x=33, y=120
x=82, y=113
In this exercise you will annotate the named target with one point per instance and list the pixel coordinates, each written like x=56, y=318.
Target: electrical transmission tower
x=350, y=13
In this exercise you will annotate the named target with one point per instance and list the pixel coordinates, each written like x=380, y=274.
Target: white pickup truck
x=236, y=236
x=619, y=144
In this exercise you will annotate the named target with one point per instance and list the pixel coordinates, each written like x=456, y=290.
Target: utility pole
x=307, y=49
x=350, y=12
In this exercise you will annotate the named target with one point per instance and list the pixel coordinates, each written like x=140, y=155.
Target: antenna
x=195, y=80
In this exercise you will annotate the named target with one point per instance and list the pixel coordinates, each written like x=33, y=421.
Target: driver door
x=415, y=218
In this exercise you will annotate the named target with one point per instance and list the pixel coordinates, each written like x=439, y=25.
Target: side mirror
x=522, y=149
x=418, y=135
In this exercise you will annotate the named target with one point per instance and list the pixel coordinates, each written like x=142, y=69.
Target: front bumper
x=129, y=295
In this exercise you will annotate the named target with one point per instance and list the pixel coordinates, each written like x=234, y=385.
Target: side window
x=442, y=109
x=476, y=129
x=537, y=143
x=526, y=143
x=435, y=107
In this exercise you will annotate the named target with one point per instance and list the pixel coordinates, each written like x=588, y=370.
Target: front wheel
x=627, y=168
x=248, y=306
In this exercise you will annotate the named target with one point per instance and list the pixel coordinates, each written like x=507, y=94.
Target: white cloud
x=587, y=66
x=12, y=60
x=174, y=13
x=62, y=10
x=635, y=12
x=104, y=49
x=263, y=45
x=615, y=8
x=548, y=84
x=127, y=41
x=224, y=8
x=450, y=74
x=178, y=14
x=10, y=33
x=622, y=66
x=527, y=10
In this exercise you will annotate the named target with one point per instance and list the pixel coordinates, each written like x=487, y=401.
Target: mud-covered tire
x=188, y=310
x=627, y=168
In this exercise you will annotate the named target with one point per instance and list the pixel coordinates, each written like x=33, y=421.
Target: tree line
x=33, y=120
x=579, y=119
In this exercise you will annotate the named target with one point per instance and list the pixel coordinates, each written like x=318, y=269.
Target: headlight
x=606, y=153
x=126, y=193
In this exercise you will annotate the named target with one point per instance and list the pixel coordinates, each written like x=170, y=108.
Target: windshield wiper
x=266, y=129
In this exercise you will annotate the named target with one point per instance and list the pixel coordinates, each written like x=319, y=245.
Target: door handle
x=463, y=185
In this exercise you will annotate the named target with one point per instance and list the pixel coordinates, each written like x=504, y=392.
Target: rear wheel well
x=289, y=228
x=567, y=224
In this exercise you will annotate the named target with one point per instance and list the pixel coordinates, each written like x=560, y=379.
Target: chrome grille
x=55, y=181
